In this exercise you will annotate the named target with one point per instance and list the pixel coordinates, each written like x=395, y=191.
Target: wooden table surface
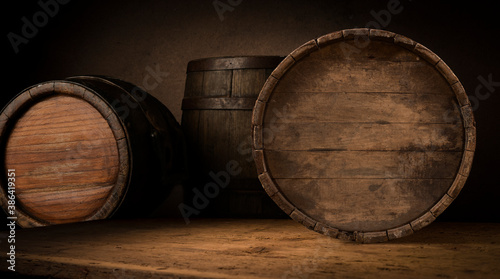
x=248, y=248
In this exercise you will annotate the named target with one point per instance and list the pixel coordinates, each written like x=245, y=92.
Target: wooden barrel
x=363, y=134
x=217, y=110
x=87, y=148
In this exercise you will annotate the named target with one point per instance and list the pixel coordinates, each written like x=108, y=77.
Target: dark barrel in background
x=87, y=148
x=217, y=108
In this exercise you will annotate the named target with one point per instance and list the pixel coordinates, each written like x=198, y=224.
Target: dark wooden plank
x=233, y=63
x=373, y=50
x=241, y=148
x=363, y=204
x=362, y=164
x=361, y=107
x=356, y=76
x=217, y=83
x=214, y=132
x=226, y=103
x=248, y=82
x=365, y=136
x=194, y=84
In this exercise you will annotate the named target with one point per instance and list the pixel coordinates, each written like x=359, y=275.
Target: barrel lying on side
x=87, y=148
x=217, y=108
x=363, y=134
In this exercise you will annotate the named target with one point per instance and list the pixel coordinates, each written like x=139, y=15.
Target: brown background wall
x=125, y=39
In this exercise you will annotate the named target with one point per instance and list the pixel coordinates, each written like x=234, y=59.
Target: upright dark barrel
x=217, y=108
x=87, y=148
x=363, y=134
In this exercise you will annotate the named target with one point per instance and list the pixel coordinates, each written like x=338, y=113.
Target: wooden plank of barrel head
x=217, y=110
x=363, y=134
x=86, y=148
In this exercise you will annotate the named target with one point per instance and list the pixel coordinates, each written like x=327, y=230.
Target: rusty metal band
x=233, y=63
x=219, y=103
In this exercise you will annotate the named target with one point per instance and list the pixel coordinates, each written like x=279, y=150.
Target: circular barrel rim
x=34, y=94
x=364, y=34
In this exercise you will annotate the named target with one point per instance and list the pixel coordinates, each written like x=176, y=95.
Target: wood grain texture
x=72, y=151
x=250, y=249
x=362, y=134
x=367, y=136
x=382, y=108
x=67, y=160
x=362, y=164
x=217, y=111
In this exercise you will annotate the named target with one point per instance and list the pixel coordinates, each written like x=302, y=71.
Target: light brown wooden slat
x=54, y=119
x=48, y=177
x=363, y=76
x=362, y=164
x=59, y=197
x=84, y=127
x=372, y=51
x=51, y=149
x=365, y=136
x=53, y=206
x=380, y=108
x=74, y=186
